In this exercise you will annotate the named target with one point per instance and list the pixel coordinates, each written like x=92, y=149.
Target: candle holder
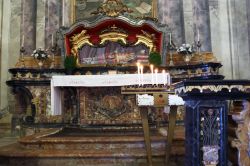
x=198, y=45
x=21, y=59
x=53, y=51
x=171, y=47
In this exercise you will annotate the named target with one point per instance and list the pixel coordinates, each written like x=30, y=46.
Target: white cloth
x=109, y=80
x=100, y=81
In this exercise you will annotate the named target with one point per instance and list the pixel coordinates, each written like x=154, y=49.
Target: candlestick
x=156, y=77
x=22, y=40
x=164, y=77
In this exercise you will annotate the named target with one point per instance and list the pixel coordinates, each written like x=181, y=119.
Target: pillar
x=28, y=26
x=171, y=13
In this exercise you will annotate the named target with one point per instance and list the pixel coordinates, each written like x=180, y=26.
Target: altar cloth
x=100, y=81
x=110, y=80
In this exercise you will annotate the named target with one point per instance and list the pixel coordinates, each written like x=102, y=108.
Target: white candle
x=141, y=75
x=152, y=74
x=170, y=38
x=138, y=72
x=156, y=76
x=169, y=79
x=52, y=40
x=22, y=40
x=164, y=77
x=198, y=35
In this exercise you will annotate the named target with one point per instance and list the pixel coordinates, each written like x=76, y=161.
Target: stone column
x=171, y=13
x=28, y=25
x=202, y=23
x=5, y=46
x=248, y=21
x=40, y=24
x=53, y=21
x=66, y=13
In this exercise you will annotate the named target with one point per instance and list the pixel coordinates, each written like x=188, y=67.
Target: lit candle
x=152, y=74
x=22, y=40
x=141, y=75
x=156, y=76
x=164, y=77
x=170, y=38
x=138, y=72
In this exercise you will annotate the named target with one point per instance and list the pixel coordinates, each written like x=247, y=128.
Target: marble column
x=202, y=23
x=238, y=12
x=40, y=24
x=248, y=21
x=5, y=47
x=188, y=21
x=53, y=21
x=28, y=25
x=171, y=13
x=66, y=13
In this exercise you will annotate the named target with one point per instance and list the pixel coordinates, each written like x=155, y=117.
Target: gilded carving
x=78, y=40
x=147, y=39
x=114, y=37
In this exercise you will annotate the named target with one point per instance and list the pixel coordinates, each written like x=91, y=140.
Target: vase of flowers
x=186, y=50
x=41, y=56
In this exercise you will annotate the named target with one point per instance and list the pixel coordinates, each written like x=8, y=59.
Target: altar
x=111, y=96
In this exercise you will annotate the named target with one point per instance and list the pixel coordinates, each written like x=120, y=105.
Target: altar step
x=92, y=150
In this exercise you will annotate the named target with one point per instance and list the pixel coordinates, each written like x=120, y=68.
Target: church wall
x=225, y=21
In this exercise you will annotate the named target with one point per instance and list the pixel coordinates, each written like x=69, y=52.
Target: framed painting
x=84, y=9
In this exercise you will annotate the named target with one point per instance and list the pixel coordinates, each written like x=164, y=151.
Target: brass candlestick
x=198, y=45
x=171, y=48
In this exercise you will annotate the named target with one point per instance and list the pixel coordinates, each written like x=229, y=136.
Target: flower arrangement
x=40, y=54
x=185, y=49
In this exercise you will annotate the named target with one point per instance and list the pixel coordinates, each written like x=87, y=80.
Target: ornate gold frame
x=73, y=10
x=113, y=34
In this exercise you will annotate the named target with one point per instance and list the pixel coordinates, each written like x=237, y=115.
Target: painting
x=84, y=9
